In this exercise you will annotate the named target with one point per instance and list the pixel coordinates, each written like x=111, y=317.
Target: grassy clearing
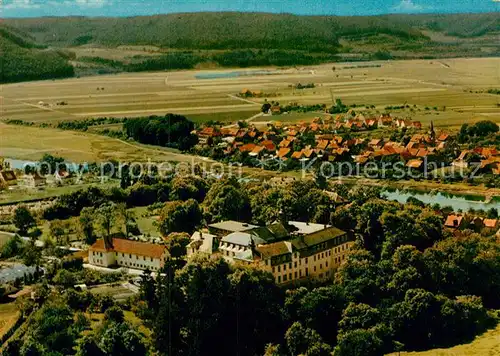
x=97, y=318
x=4, y=238
x=77, y=146
x=19, y=195
x=487, y=344
x=135, y=321
x=8, y=316
x=145, y=222
x=117, y=292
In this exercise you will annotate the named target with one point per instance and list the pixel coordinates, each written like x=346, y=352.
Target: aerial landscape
x=269, y=178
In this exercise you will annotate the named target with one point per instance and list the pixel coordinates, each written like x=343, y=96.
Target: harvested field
x=444, y=94
x=422, y=82
x=8, y=316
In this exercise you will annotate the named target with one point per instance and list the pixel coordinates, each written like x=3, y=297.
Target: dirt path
x=250, y=119
x=242, y=99
x=146, y=111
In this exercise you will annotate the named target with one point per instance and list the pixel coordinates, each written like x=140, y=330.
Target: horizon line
x=255, y=12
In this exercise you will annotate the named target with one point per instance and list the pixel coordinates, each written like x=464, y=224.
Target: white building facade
x=127, y=253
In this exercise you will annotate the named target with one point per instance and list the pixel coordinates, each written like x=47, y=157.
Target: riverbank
x=459, y=189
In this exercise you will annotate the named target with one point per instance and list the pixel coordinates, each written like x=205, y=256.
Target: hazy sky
x=30, y=8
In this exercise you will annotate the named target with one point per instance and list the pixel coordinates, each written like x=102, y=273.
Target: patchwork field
x=443, y=83
x=447, y=92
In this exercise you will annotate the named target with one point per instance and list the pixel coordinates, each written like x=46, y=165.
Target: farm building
x=33, y=180
x=8, y=178
x=127, y=253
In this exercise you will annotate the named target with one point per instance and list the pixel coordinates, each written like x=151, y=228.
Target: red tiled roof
x=249, y=147
x=284, y=143
x=422, y=152
x=413, y=152
x=269, y=145
x=131, y=247
x=283, y=152
x=453, y=220
x=414, y=163
x=443, y=137
x=307, y=152
x=208, y=131
x=257, y=149
x=417, y=138
x=491, y=223
x=323, y=144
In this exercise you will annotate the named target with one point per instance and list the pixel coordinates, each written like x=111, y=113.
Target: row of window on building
x=315, y=258
x=138, y=265
x=289, y=277
x=118, y=254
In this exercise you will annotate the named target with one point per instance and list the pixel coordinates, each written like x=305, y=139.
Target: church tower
x=433, y=133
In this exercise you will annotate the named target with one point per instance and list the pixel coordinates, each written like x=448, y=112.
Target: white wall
x=107, y=259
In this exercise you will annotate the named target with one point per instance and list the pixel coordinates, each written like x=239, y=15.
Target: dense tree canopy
x=226, y=200
x=21, y=60
x=178, y=216
x=169, y=130
x=23, y=220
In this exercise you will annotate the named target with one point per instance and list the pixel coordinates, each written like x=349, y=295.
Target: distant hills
x=229, y=30
x=22, y=59
x=206, y=37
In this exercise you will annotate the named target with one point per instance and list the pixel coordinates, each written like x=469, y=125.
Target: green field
x=145, y=222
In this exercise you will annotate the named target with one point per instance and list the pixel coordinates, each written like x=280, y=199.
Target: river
x=457, y=202
x=22, y=164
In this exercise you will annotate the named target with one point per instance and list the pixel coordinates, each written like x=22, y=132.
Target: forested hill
x=248, y=30
x=22, y=59
x=41, y=48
